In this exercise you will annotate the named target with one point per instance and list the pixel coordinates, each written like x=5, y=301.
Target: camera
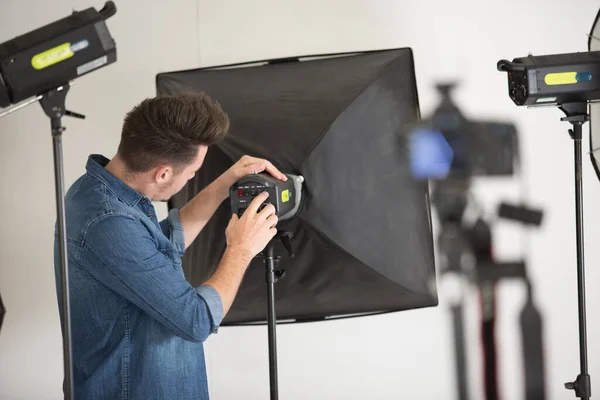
x=449, y=146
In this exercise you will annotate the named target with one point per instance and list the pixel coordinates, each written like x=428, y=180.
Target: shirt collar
x=95, y=167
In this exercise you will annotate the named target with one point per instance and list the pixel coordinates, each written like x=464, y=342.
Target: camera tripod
x=466, y=252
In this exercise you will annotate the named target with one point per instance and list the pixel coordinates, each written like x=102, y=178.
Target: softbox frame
x=363, y=236
x=594, y=45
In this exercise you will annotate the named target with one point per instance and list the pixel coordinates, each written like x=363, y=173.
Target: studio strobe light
x=286, y=197
x=56, y=54
x=40, y=66
x=553, y=79
x=568, y=81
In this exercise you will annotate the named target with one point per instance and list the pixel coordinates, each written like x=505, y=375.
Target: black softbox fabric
x=362, y=239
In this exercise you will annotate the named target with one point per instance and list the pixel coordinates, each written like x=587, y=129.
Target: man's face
x=176, y=182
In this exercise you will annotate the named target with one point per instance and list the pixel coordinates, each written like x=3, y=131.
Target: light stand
x=272, y=275
x=53, y=103
x=572, y=96
x=576, y=114
x=271, y=279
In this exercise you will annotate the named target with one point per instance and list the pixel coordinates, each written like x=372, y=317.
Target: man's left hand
x=245, y=166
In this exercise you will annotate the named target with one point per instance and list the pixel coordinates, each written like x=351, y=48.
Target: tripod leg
x=488, y=337
x=460, y=351
x=270, y=278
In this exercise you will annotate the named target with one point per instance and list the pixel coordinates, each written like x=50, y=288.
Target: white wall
x=379, y=357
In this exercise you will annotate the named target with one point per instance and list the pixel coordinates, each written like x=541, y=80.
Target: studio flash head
x=570, y=82
x=286, y=196
x=55, y=54
x=553, y=79
x=40, y=66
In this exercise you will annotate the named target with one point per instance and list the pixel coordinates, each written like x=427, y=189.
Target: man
x=137, y=324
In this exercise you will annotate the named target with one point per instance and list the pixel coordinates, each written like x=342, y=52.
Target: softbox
x=594, y=45
x=363, y=238
x=2, y=312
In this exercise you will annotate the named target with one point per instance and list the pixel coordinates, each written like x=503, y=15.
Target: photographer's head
x=164, y=141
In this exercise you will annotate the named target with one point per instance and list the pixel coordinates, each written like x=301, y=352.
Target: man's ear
x=163, y=174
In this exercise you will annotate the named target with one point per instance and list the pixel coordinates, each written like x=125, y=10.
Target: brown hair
x=170, y=129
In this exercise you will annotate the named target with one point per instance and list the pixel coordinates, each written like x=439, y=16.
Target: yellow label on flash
x=561, y=78
x=52, y=56
x=285, y=196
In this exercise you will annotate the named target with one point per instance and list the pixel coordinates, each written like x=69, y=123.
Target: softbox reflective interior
x=594, y=45
x=362, y=238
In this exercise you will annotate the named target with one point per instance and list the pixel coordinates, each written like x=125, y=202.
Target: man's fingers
x=254, y=168
x=233, y=220
x=257, y=165
x=275, y=173
x=268, y=211
x=258, y=200
x=272, y=221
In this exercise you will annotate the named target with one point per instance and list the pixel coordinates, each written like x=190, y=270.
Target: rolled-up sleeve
x=214, y=303
x=173, y=229
x=123, y=255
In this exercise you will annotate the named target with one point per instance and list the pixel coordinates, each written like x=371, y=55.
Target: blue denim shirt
x=137, y=324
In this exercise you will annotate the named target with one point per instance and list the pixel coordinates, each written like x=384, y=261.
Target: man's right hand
x=252, y=232
x=246, y=237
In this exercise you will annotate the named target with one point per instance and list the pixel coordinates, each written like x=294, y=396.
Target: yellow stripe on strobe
x=561, y=78
x=52, y=56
